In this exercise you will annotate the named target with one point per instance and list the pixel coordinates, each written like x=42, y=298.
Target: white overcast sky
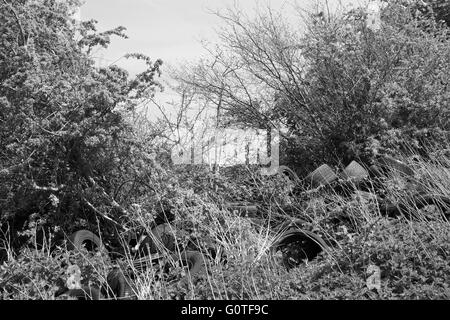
x=171, y=29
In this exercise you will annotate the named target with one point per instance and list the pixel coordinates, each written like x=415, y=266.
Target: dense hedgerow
x=66, y=144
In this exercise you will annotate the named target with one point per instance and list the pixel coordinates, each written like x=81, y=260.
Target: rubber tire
x=312, y=243
x=323, y=175
x=119, y=285
x=354, y=171
x=77, y=238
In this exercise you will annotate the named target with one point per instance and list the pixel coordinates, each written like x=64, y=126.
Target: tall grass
x=411, y=250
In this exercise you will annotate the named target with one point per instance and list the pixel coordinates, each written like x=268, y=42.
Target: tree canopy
x=337, y=86
x=64, y=134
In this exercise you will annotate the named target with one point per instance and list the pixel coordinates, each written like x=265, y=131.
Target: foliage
x=413, y=258
x=412, y=254
x=41, y=274
x=333, y=87
x=66, y=142
x=73, y=156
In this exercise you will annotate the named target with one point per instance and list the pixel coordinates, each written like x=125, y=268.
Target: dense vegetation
x=340, y=90
x=73, y=156
x=65, y=142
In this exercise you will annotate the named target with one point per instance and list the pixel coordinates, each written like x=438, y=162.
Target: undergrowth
x=412, y=254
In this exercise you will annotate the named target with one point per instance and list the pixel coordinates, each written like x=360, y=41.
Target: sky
x=171, y=29
x=167, y=29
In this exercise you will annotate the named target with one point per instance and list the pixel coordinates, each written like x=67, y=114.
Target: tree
x=334, y=85
x=65, y=142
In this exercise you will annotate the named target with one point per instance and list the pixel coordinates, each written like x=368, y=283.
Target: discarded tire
x=355, y=171
x=84, y=238
x=119, y=285
x=298, y=245
x=321, y=176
